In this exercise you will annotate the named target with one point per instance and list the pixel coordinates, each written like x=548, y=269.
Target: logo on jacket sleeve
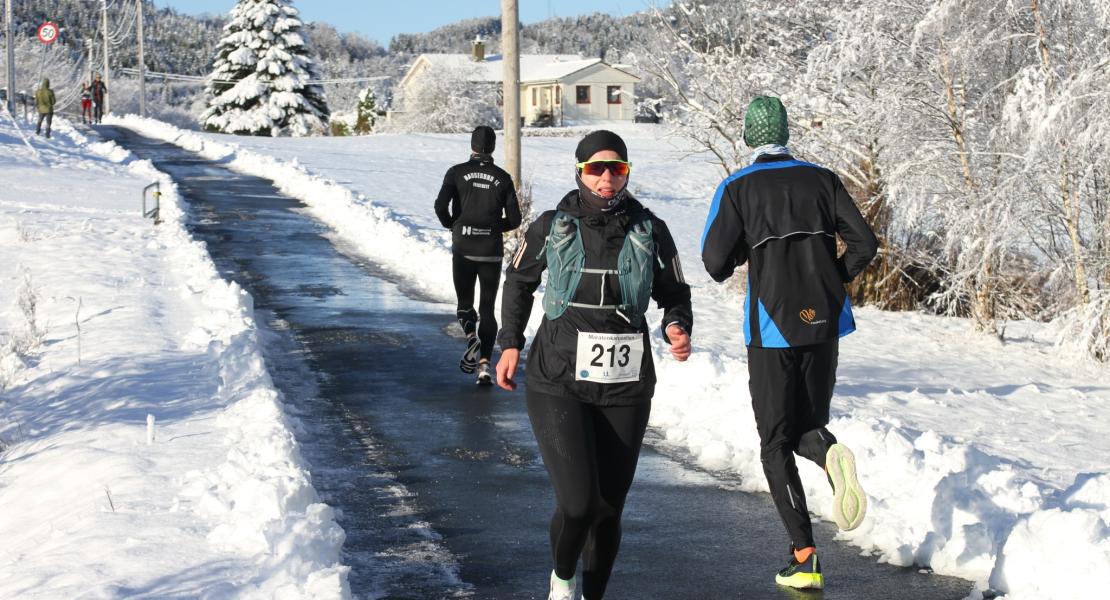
x=809, y=316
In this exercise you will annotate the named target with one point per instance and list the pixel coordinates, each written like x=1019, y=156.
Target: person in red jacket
x=86, y=103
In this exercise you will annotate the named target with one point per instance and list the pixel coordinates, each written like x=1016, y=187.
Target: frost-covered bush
x=442, y=100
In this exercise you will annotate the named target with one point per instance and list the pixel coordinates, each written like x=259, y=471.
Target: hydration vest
x=566, y=259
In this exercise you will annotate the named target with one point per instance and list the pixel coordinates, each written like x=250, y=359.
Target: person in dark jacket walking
x=478, y=203
x=44, y=103
x=99, y=91
x=782, y=216
x=590, y=371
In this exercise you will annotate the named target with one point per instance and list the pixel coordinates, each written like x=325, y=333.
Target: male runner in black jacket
x=478, y=203
x=782, y=216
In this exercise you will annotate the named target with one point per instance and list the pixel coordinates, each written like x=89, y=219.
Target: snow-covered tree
x=366, y=112
x=446, y=100
x=260, y=82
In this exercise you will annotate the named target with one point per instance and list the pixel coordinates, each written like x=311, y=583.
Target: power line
x=203, y=79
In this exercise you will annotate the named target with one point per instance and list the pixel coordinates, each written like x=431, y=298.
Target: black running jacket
x=478, y=203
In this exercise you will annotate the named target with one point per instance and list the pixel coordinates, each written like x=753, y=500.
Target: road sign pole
x=10, y=42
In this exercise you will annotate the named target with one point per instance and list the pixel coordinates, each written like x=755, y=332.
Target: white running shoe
x=469, y=360
x=849, y=500
x=485, y=377
x=561, y=589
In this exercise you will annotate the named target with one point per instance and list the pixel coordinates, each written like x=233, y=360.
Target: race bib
x=608, y=357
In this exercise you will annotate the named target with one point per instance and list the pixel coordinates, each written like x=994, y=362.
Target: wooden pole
x=510, y=56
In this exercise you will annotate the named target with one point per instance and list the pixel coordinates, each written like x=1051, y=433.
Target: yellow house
x=555, y=89
x=575, y=92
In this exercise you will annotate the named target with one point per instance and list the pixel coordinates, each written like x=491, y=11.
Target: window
x=558, y=94
x=582, y=94
x=613, y=93
x=533, y=96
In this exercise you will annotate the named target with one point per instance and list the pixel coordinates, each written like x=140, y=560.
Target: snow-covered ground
x=144, y=451
x=984, y=459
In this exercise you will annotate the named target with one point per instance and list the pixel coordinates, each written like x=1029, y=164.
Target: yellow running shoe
x=804, y=576
x=849, y=501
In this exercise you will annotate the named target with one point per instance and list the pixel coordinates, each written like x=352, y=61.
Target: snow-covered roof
x=533, y=67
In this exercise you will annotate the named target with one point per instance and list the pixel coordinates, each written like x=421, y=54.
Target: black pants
x=98, y=110
x=590, y=453
x=791, y=390
x=488, y=275
x=49, y=118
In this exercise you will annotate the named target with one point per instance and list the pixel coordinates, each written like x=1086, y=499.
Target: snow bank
x=212, y=498
x=981, y=460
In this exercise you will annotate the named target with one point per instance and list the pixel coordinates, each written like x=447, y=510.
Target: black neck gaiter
x=598, y=205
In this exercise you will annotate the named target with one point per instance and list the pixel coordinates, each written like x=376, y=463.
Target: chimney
x=479, y=48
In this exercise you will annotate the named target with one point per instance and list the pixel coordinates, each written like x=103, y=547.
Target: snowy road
x=440, y=488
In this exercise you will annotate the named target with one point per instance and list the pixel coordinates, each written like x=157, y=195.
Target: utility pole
x=10, y=42
x=104, y=75
x=142, y=60
x=510, y=56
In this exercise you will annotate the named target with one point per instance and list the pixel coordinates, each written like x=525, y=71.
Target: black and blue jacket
x=782, y=216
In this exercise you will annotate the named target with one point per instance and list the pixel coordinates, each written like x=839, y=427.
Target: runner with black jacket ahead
x=478, y=203
x=590, y=371
x=782, y=216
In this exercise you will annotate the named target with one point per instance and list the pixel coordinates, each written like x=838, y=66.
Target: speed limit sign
x=48, y=32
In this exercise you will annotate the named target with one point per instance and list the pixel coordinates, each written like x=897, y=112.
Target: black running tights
x=488, y=274
x=791, y=391
x=590, y=453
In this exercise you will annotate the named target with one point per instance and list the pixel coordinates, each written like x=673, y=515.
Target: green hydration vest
x=566, y=259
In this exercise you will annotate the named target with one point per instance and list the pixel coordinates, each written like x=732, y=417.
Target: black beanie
x=483, y=140
x=599, y=140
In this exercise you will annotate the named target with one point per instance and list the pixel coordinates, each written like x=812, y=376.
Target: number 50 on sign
x=48, y=32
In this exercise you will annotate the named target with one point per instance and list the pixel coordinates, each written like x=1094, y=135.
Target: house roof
x=533, y=67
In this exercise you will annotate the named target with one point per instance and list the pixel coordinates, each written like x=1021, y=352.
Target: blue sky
x=380, y=20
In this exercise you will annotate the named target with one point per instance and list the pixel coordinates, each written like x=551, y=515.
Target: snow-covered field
x=144, y=451
x=984, y=459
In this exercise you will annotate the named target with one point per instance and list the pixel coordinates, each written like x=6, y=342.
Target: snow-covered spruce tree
x=366, y=112
x=260, y=80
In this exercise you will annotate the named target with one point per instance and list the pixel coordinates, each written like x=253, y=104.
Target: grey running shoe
x=469, y=360
x=485, y=375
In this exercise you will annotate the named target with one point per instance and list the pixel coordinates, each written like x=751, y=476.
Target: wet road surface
x=438, y=483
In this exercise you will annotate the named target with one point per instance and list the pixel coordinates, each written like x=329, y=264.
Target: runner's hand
x=506, y=368
x=680, y=343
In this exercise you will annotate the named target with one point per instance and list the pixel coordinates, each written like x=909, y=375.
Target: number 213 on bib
x=608, y=357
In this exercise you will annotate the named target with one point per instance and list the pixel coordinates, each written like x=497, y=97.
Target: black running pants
x=791, y=390
x=590, y=453
x=488, y=275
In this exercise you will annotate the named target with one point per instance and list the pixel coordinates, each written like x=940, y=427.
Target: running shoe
x=561, y=589
x=849, y=501
x=469, y=360
x=485, y=376
x=802, y=575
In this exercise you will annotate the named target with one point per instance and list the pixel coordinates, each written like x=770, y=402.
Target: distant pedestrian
x=782, y=216
x=478, y=203
x=86, y=103
x=44, y=102
x=99, y=91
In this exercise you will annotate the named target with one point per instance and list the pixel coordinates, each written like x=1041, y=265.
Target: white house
x=558, y=89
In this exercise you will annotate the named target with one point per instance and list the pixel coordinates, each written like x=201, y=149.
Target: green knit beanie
x=765, y=123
